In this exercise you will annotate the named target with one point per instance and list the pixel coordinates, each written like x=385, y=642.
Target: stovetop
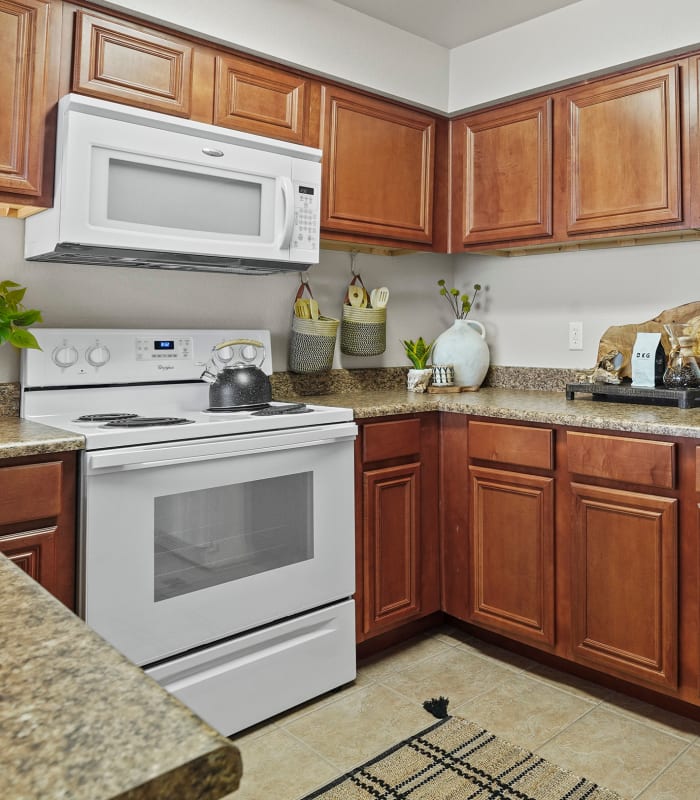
x=135, y=381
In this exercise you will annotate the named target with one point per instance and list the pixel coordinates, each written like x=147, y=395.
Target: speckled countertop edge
x=19, y=437
x=523, y=405
x=79, y=721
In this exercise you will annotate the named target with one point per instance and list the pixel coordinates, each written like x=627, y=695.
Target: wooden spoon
x=313, y=309
x=302, y=309
x=356, y=296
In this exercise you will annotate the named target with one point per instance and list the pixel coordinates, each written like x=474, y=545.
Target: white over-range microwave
x=140, y=189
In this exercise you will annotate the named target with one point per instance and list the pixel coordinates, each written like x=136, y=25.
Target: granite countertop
x=19, y=437
x=520, y=404
x=80, y=721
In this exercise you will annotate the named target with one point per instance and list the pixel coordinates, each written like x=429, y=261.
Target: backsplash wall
x=532, y=299
x=86, y=296
x=526, y=310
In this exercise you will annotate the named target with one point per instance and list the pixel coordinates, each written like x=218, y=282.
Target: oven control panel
x=94, y=357
x=149, y=347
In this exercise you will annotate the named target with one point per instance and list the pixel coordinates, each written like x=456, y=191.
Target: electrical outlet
x=576, y=336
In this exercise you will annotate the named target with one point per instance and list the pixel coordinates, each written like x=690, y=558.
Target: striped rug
x=456, y=760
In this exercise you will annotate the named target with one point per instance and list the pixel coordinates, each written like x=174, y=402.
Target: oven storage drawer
x=237, y=683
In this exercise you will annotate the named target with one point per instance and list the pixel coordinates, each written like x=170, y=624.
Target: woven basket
x=363, y=332
x=312, y=343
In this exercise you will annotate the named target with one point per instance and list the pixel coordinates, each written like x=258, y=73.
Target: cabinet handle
x=212, y=151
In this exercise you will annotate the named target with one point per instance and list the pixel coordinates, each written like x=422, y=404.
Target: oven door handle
x=148, y=458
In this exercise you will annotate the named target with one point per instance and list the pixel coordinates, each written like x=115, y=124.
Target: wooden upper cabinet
x=114, y=60
x=378, y=167
x=502, y=173
x=24, y=42
x=624, y=152
x=252, y=97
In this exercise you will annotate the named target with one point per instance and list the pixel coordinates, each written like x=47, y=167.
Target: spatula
x=356, y=296
x=301, y=309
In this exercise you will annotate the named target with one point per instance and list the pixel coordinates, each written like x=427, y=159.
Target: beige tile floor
x=636, y=749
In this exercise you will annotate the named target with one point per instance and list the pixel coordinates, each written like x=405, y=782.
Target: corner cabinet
x=37, y=519
x=378, y=169
x=396, y=523
x=29, y=30
x=502, y=174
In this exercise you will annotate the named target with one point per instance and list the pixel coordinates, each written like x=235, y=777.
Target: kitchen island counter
x=551, y=408
x=79, y=720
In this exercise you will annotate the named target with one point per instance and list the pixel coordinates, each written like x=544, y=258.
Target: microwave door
x=163, y=192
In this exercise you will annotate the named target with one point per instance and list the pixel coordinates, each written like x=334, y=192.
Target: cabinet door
x=35, y=553
x=391, y=546
x=512, y=554
x=37, y=519
x=623, y=152
x=378, y=168
x=117, y=61
x=624, y=584
x=259, y=99
x=24, y=32
x=502, y=173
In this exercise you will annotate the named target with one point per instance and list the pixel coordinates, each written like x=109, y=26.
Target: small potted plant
x=15, y=319
x=418, y=353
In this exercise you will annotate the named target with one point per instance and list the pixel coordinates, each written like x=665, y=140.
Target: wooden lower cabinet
x=624, y=583
x=37, y=519
x=512, y=554
x=397, y=523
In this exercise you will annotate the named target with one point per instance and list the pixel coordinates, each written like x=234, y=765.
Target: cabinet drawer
x=30, y=491
x=394, y=439
x=622, y=459
x=512, y=444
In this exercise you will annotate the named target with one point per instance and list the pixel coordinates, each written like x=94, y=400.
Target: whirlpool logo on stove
x=165, y=367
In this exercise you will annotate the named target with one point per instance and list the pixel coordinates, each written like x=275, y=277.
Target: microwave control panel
x=306, y=230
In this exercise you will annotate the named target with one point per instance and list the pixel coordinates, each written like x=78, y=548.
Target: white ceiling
x=451, y=23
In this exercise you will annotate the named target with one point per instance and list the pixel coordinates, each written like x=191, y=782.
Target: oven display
x=148, y=349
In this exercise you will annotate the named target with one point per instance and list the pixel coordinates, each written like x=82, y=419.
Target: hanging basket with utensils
x=363, y=330
x=312, y=343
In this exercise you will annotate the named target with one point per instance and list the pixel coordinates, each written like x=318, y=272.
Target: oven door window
x=222, y=534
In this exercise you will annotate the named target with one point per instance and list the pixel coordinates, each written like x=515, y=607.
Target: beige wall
x=86, y=296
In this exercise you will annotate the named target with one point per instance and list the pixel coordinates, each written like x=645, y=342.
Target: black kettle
x=240, y=384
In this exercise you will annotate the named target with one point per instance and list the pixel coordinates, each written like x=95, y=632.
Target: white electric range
x=216, y=549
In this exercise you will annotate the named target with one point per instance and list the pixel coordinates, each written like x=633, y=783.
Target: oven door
x=192, y=542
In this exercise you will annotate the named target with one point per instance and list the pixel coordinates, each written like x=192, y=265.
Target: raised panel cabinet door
x=259, y=99
x=125, y=63
x=512, y=554
x=624, y=584
x=35, y=553
x=24, y=31
x=624, y=152
x=391, y=527
x=502, y=168
x=378, y=167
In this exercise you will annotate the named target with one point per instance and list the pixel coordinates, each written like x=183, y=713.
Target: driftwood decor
x=620, y=339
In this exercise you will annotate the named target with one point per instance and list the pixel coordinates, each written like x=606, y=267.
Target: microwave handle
x=287, y=189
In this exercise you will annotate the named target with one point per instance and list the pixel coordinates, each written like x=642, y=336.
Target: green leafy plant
x=15, y=318
x=460, y=304
x=418, y=352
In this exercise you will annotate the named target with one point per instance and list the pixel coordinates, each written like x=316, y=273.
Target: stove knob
x=65, y=356
x=97, y=355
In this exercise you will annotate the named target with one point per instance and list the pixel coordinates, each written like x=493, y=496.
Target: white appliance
x=216, y=549
x=135, y=188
